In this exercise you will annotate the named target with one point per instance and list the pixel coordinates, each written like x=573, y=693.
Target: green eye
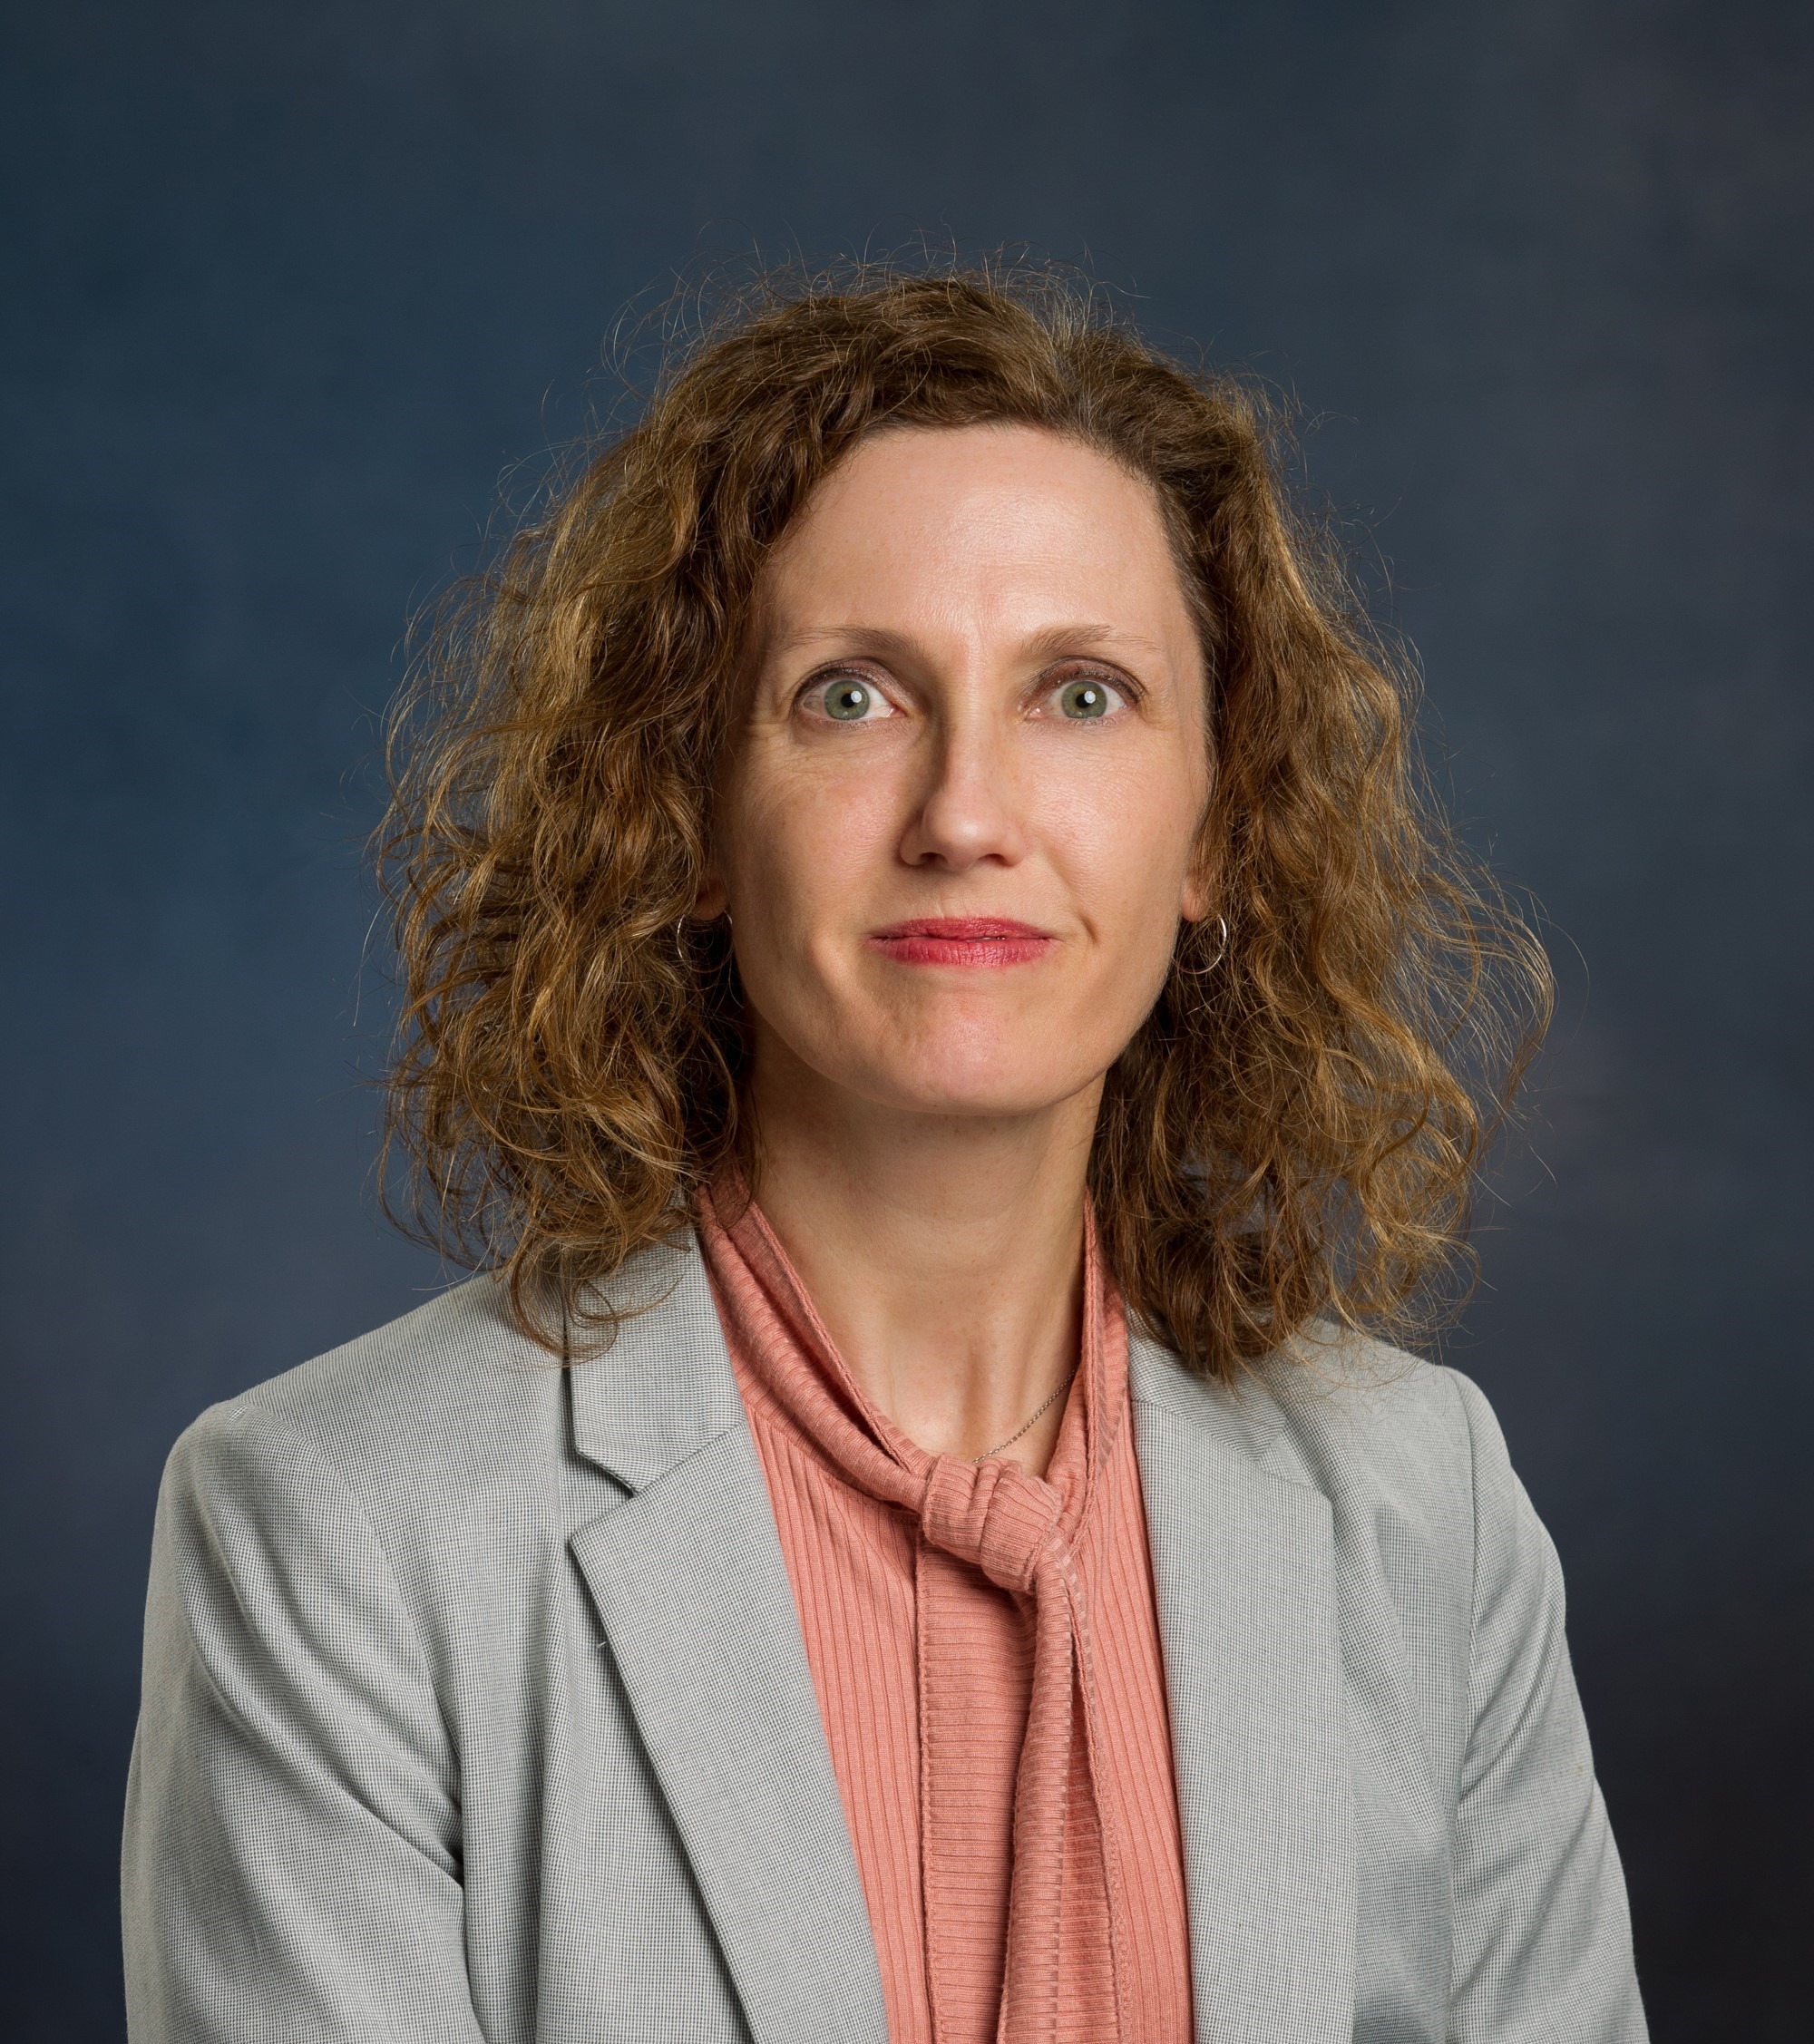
x=1082, y=699
x=846, y=700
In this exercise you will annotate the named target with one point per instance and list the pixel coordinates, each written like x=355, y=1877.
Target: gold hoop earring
x=1203, y=971
x=681, y=923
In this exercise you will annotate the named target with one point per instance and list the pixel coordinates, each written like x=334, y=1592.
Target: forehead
x=990, y=520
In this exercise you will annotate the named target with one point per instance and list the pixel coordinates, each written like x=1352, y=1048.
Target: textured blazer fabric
x=476, y=1708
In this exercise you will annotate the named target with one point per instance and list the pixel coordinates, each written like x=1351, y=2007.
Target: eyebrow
x=1048, y=643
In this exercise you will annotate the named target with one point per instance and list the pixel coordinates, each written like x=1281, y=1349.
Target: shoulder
x=450, y=1417
x=444, y=1436
x=449, y=1385
x=1408, y=1453
x=1331, y=1407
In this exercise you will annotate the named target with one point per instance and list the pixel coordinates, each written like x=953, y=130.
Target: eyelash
x=816, y=685
x=1117, y=684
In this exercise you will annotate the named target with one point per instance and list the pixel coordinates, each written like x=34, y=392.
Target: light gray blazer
x=476, y=1708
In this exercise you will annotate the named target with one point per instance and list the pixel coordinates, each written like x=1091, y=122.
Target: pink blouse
x=986, y=1651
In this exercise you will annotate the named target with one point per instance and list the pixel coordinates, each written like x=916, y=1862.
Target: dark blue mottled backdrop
x=287, y=289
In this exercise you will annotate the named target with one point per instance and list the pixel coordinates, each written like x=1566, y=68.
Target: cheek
x=1127, y=829
x=798, y=839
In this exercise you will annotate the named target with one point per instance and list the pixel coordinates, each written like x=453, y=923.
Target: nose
x=968, y=810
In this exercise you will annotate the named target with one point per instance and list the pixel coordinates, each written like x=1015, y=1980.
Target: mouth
x=963, y=941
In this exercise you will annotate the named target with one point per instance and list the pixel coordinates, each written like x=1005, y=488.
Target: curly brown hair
x=1295, y=1131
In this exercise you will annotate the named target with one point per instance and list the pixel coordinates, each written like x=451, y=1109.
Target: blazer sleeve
x=1542, y=1935
x=291, y=1863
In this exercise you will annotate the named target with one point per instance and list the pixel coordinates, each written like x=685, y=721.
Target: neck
x=943, y=1252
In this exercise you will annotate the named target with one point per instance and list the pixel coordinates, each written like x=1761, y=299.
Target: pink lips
x=961, y=941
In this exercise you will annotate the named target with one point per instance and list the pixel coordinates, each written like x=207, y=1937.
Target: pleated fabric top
x=986, y=1651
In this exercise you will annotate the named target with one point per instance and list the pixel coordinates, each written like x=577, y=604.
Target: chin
x=977, y=1082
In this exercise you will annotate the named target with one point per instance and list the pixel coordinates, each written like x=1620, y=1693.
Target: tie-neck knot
x=992, y=1514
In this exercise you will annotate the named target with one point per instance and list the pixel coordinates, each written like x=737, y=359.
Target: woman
x=930, y=995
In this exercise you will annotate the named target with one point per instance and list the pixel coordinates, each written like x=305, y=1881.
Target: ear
x=711, y=901
x=1196, y=897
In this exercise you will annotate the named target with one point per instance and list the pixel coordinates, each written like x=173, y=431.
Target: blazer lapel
x=692, y=1587
x=1243, y=1569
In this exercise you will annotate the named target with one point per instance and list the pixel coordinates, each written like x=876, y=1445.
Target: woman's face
x=956, y=836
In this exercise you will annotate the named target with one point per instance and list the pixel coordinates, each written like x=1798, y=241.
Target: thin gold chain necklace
x=1027, y=1426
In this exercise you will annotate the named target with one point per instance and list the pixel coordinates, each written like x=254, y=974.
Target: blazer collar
x=1244, y=1576
x=663, y=1389
x=692, y=1591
